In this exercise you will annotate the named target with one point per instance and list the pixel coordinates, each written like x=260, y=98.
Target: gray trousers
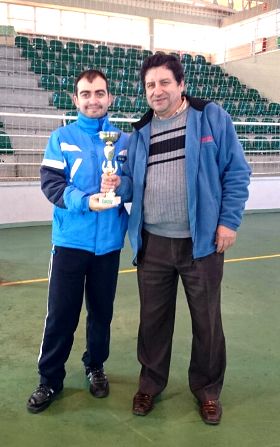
x=161, y=262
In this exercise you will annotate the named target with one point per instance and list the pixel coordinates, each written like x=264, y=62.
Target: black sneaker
x=40, y=399
x=99, y=385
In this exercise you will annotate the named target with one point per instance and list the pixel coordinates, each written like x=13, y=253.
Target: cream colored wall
x=24, y=203
x=261, y=72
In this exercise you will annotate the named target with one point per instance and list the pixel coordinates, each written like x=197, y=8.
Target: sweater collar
x=93, y=126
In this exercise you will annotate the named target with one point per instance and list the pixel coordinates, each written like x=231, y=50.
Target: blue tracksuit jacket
x=217, y=175
x=71, y=171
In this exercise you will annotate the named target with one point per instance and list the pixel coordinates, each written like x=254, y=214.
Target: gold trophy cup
x=109, y=166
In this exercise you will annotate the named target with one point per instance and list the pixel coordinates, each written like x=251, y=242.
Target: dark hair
x=167, y=60
x=90, y=75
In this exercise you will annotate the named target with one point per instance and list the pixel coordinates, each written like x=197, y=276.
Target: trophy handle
x=108, y=168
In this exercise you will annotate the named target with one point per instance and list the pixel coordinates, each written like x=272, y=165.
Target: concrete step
x=15, y=65
x=7, y=52
x=8, y=81
x=20, y=97
x=29, y=142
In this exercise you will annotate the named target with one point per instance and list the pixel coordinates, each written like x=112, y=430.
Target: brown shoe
x=142, y=404
x=211, y=412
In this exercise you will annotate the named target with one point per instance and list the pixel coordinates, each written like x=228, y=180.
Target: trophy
x=109, y=166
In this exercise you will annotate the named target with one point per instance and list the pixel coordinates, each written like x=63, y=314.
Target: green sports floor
x=251, y=316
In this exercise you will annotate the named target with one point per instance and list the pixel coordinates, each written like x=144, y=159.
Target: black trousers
x=162, y=261
x=72, y=274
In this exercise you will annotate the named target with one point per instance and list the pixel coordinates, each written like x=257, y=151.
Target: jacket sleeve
x=233, y=169
x=126, y=186
x=54, y=183
x=52, y=172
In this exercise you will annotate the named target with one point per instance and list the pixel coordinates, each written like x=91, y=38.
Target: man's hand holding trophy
x=107, y=198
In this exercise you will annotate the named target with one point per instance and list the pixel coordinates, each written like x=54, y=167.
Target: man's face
x=93, y=99
x=162, y=91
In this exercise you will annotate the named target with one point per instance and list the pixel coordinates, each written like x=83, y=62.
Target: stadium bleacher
x=52, y=65
x=59, y=63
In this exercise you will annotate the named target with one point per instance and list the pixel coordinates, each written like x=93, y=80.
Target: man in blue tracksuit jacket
x=86, y=242
x=188, y=181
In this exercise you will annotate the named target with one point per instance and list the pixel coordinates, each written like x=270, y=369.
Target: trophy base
x=107, y=200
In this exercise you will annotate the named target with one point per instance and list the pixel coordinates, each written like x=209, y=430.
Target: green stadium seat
x=238, y=93
x=133, y=53
x=260, y=144
x=133, y=64
x=71, y=113
x=137, y=115
x=126, y=88
x=273, y=109
x=5, y=143
x=113, y=87
x=246, y=143
x=56, y=45
x=206, y=92
x=256, y=129
x=204, y=80
x=199, y=59
x=65, y=56
x=193, y=91
x=75, y=69
x=30, y=53
x=220, y=80
x=233, y=81
x=186, y=59
x=253, y=94
x=131, y=75
x=215, y=70
x=67, y=83
x=124, y=126
x=62, y=100
x=83, y=59
x=118, y=53
x=141, y=105
x=99, y=60
x=39, y=43
x=49, y=54
x=230, y=107
x=118, y=89
x=88, y=49
x=245, y=108
x=222, y=92
x=240, y=128
x=123, y=104
x=193, y=80
x=189, y=70
x=58, y=68
x=22, y=42
x=114, y=74
x=146, y=53
x=202, y=69
x=116, y=63
x=275, y=143
x=274, y=130
x=72, y=47
x=259, y=109
x=103, y=50
x=138, y=89
x=49, y=82
x=39, y=66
